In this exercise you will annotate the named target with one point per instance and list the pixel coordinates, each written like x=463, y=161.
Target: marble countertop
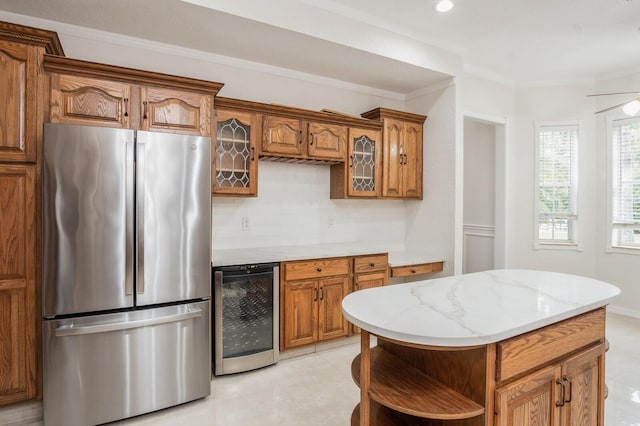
x=474, y=309
x=316, y=251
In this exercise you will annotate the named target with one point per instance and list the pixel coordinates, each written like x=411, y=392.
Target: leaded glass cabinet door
x=235, y=165
x=363, y=176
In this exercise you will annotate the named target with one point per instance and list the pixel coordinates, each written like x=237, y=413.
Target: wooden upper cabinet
x=361, y=175
x=104, y=95
x=89, y=101
x=235, y=160
x=402, y=141
x=412, y=164
x=393, y=158
x=167, y=110
x=18, y=86
x=326, y=141
x=18, y=259
x=281, y=135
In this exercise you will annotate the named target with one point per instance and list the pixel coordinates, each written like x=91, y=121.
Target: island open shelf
x=400, y=386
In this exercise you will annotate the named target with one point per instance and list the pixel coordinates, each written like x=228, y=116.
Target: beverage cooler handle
x=140, y=194
x=70, y=330
x=129, y=180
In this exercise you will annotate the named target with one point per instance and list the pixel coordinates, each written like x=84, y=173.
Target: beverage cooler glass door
x=246, y=326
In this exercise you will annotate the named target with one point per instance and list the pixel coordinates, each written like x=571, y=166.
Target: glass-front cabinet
x=363, y=174
x=235, y=165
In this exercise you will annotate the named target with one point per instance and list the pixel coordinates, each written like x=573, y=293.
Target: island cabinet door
x=300, y=313
x=331, y=322
x=530, y=401
x=583, y=376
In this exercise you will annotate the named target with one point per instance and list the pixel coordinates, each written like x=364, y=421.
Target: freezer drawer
x=103, y=368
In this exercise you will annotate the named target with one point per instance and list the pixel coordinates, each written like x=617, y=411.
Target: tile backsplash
x=293, y=208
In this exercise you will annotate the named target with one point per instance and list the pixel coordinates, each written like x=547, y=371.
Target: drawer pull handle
x=315, y=297
x=126, y=107
x=566, y=379
x=564, y=393
x=310, y=138
x=321, y=293
x=300, y=138
x=144, y=114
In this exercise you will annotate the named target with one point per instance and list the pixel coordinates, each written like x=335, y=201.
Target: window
x=556, y=184
x=625, y=183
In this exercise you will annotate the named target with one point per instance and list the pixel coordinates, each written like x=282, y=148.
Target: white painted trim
x=485, y=118
x=491, y=229
x=444, y=84
x=458, y=192
x=477, y=234
x=169, y=49
x=623, y=311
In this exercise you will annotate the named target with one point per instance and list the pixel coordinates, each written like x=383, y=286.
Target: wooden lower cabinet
x=311, y=303
x=312, y=311
x=566, y=393
x=19, y=316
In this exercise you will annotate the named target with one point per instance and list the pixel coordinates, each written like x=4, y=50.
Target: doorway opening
x=484, y=191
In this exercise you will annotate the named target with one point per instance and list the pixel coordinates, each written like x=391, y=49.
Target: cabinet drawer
x=531, y=350
x=377, y=262
x=308, y=269
x=422, y=268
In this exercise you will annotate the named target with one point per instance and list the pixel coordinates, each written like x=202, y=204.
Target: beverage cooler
x=245, y=320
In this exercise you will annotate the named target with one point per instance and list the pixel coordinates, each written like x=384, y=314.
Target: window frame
x=574, y=242
x=611, y=248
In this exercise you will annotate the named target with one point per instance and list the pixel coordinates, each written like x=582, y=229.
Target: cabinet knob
x=413, y=271
x=319, y=269
x=371, y=264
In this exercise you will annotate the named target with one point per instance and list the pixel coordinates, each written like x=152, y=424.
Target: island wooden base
x=550, y=376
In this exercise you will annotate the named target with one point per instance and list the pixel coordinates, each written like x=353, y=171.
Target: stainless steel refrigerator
x=126, y=272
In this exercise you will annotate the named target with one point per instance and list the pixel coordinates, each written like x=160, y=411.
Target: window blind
x=626, y=182
x=557, y=182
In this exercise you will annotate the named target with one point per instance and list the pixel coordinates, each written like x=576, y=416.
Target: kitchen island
x=508, y=347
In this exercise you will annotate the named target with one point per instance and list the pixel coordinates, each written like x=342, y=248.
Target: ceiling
x=399, y=46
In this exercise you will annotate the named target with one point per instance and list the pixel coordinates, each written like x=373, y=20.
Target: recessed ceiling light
x=444, y=5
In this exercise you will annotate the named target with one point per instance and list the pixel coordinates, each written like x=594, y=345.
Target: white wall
x=552, y=104
x=479, y=173
x=431, y=223
x=293, y=208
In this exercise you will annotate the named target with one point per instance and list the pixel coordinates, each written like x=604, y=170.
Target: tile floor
x=317, y=389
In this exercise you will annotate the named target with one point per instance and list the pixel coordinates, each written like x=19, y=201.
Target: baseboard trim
x=623, y=311
x=27, y=413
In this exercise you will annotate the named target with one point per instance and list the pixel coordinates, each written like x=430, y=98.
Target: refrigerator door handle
x=129, y=218
x=140, y=194
x=70, y=330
